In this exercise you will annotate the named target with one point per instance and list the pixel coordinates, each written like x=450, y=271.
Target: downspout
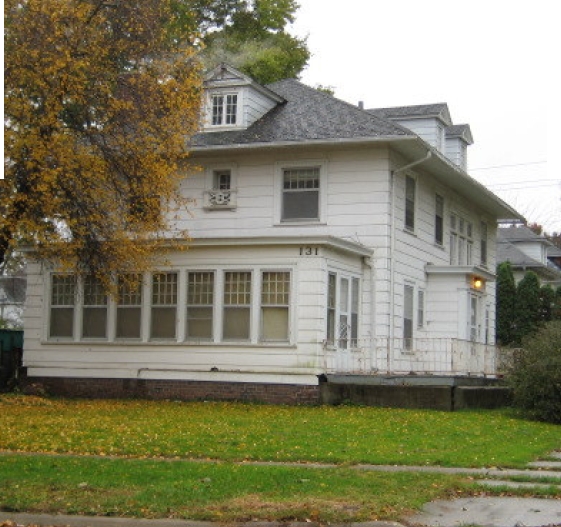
x=393, y=173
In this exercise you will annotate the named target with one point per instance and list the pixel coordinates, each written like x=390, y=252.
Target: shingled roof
x=420, y=110
x=307, y=115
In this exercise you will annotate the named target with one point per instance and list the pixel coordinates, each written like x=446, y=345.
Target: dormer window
x=224, y=109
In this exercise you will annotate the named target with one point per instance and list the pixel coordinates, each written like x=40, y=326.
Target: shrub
x=535, y=376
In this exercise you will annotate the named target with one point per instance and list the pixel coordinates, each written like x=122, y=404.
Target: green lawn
x=174, y=435
x=236, y=432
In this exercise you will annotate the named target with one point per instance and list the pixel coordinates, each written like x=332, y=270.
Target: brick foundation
x=173, y=389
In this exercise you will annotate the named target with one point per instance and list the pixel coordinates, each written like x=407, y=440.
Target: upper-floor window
x=410, y=197
x=439, y=220
x=224, y=109
x=483, y=243
x=221, y=192
x=461, y=241
x=300, y=195
x=222, y=180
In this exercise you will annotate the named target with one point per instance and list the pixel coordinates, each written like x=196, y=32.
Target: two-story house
x=325, y=238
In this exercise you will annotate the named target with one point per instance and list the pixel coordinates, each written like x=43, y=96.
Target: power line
x=529, y=182
x=505, y=166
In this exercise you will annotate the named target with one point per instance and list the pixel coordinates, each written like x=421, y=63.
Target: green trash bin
x=11, y=348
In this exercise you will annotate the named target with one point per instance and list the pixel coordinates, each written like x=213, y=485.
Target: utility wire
x=505, y=166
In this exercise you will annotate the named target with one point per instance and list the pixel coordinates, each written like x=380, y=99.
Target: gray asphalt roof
x=419, y=110
x=307, y=115
x=506, y=252
x=519, y=234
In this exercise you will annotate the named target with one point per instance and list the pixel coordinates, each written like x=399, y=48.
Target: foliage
x=506, y=298
x=527, y=308
x=100, y=98
x=547, y=303
x=342, y=434
x=251, y=36
x=536, y=374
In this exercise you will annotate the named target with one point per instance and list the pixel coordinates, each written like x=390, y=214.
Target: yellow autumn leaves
x=99, y=105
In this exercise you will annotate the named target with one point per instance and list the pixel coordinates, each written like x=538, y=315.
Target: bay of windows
x=209, y=305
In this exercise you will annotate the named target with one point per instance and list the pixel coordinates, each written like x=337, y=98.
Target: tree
x=250, y=36
x=535, y=375
x=100, y=100
x=527, y=306
x=506, y=298
x=547, y=301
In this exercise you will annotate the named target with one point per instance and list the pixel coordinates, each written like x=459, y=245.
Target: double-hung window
x=129, y=307
x=300, y=194
x=200, y=301
x=224, y=109
x=483, y=243
x=63, y=299
x=461, y=241
x=408, y=294
x=236, y=323
x=275, y=302
x=410, y=198
x=94, y=314
x=164, y=306
x=439, y=220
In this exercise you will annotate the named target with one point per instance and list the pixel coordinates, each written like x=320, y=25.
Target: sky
x=493, y=62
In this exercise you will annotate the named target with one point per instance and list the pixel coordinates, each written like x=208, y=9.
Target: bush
x=535, y=376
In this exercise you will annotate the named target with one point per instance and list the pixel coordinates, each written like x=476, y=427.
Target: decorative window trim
x=216, y=198
x=280, y=168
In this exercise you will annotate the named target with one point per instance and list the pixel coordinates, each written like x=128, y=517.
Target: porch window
x=129, y=306
x=343, y=301
x=94, y=314
x=300, y=196
x=164, y=306
x=63, y=298
x=275, y=299
x=410, y=197
x=420, y=308
x=200, y=301
x=331, y=299
x=408, y=316
x=237, y=305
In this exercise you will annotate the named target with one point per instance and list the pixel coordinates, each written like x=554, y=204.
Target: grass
x=215, y=491
x=237, y=432
x=154, y=446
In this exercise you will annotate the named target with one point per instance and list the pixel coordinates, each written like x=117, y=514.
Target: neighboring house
x=325, y=238
x=528, y=251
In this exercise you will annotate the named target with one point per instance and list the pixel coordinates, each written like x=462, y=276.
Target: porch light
x=477, y=283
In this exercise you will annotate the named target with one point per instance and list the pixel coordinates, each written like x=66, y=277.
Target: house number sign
x=309, y=251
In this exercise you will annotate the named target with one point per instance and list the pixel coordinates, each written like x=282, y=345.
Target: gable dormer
x=233, y=101
x=428, y=121
x=458, y=138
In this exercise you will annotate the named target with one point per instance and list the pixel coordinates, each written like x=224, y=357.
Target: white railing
x=431, y=356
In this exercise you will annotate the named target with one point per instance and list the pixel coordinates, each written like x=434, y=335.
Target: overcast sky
x=493, y=61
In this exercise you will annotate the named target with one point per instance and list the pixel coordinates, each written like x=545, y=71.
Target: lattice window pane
x=275, y=289
x=200, y=299
x=237, y=288
x=164, y=289
x=63, y=291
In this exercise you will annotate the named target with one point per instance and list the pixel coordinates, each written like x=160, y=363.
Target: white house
x=325, y=239
x=528, y=251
